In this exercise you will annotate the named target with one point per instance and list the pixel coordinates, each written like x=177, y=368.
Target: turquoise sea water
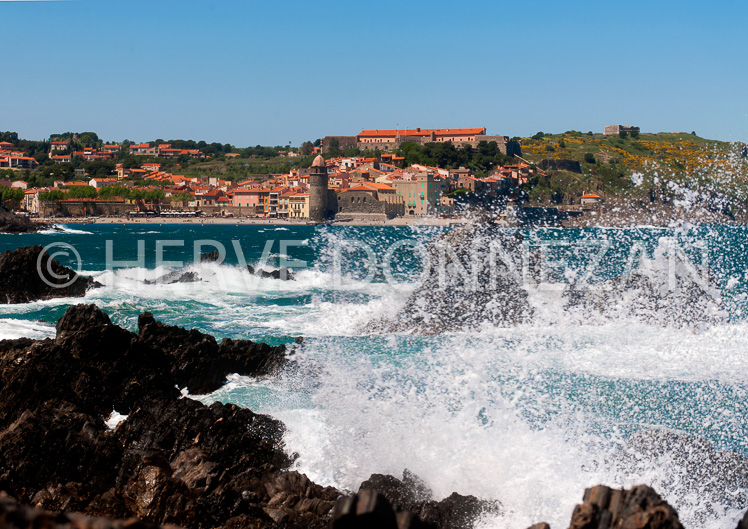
x=529, y=415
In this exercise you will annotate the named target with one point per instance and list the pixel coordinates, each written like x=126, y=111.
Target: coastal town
x=390, y=176
x=376, y=186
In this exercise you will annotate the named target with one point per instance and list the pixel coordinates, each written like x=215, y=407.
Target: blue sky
x=247, y=73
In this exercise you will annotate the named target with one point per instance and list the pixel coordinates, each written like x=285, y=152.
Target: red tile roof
x=422, y=132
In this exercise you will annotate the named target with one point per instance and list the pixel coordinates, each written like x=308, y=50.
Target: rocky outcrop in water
x=472, y=277
x=412, y=496
x=637, y=508
x=481, y=274
x=29, y=274
x=714, y=477
x=669, y=293
x=15, y=516
x=173, y=460
x=743, y=523
x=12, y=223
x=177, y=276
x=281, y=273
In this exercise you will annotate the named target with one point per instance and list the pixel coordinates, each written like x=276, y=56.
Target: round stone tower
x=318, y=190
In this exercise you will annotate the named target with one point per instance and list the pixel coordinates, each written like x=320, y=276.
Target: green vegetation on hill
x=643, y=166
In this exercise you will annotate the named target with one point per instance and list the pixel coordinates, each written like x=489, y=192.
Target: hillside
x=663, y=166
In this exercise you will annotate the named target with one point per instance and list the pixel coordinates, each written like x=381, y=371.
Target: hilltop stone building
x=392, y=139
x=611, y=130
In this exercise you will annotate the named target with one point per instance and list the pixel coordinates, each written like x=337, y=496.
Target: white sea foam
x=114, y=419
x=530, y=417
x=62, y=228
x=11, y=329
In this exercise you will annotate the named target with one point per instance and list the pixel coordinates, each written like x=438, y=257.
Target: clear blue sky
x=247, y=72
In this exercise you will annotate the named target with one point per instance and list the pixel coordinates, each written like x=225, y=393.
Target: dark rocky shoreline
x=12, y=223
x=176, y=461
x=173, y=460
x=30, y=274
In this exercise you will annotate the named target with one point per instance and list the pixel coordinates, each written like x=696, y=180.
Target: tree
x=11, y=193
x=561, y=144
x=53, y=195
x=589, y=157
x=182, y=197
x=155, y=196
x=114, y=191
x=635, y=134
x=307, y=148
x=82, y=192
x=622, y=134
x=538, y=136
x=333, y=147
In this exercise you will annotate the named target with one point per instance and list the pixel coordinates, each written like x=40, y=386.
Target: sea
x=529, y=415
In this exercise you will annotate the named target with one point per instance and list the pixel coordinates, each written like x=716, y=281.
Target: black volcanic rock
x=12, y=223
x=15, y=516
x=25, y=276
x=717, y=477
x=412, y=495
x=280, y=273
x=177, y=276
x=472, y=277
x=637, y=508
x=743, y=523
x=210, y=257
x=173, y=460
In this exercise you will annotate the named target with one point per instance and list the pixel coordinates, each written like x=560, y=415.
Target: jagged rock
x=409, y=494
x=56, y=444
x=282, y=273
x=413, y=495
x=541, y=525
x=637, y=508
x=365, y=510
x=714, y=476
x=457, y=511
x=661, y=293
x=472, y=277
x=177, y=276
x=15, y=516
x=199, y=363
x=210, y=257
x=743, y=523
x=29, y=274
x=12, y=223
x=173, y=460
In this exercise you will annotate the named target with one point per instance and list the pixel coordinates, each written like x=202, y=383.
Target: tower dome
x=319, y=161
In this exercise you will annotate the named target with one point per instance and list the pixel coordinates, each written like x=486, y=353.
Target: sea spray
x=527, y=414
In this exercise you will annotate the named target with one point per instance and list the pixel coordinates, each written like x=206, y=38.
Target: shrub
x=589, y=157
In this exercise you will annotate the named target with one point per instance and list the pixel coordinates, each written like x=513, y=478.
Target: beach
x=236, y=221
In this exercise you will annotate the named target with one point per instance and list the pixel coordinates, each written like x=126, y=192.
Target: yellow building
x=298, y=206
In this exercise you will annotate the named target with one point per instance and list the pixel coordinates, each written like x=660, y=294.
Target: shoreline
x=399, y=221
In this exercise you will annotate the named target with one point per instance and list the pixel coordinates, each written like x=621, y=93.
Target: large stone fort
x=391, y=139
